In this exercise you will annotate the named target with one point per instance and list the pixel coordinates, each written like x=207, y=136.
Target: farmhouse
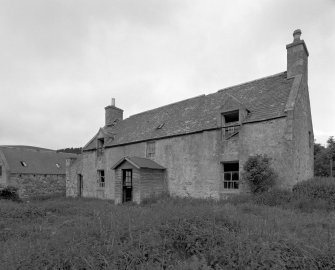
x=197, y=147
x=35, y=171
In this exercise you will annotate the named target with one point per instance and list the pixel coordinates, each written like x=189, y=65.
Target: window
x=100, y=146
x=101, y=178
x=231, y=117
x=230, y=124
x=23, y=163
x=0, y=170
x=151, y=149
x=231, y=175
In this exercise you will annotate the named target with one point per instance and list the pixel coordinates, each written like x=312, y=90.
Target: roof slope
x=140, y=163
x=265, y=99
x=38, y=160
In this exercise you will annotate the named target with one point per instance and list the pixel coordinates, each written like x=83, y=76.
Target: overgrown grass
x=164, y=234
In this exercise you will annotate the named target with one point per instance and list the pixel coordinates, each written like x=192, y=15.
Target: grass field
x=82, y=234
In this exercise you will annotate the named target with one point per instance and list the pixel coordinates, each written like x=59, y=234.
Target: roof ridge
x=158, y=108
x=252, y=81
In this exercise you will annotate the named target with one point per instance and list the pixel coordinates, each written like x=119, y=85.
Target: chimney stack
x=297, y=56
x=112, y=114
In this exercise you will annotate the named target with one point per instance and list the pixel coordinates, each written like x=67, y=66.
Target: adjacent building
x=34, y=171
x=197, y=147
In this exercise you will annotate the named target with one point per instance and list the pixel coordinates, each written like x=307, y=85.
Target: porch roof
x=139, y=163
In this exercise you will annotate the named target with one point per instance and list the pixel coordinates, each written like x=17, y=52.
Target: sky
x=62, y=61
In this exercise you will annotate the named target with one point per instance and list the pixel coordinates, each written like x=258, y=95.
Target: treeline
x=77, y=150
x=324, y=158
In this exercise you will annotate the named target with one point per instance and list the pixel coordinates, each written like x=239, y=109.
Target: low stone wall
x=34, y=185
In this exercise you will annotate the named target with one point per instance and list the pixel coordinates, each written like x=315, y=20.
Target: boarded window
x=151, y=149
x=101, y=178
x=231, y=175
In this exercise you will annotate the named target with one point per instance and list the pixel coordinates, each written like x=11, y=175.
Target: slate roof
x=38, y=160
x=264, y=98
x=140, y=163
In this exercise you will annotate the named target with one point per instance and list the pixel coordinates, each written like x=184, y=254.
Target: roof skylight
x=23, y=163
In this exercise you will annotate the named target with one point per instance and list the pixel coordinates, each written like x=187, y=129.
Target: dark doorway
x=80, y=185
x=127, y=185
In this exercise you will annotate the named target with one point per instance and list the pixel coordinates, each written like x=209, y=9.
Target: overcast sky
x=62, y=61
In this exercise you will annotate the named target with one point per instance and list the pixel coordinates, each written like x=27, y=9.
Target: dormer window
x=100, y=146
x=23, y=163
x=231, y=117
x=230, y=124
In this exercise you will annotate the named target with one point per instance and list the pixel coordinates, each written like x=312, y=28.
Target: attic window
x=57, y=165
x=231, y=117
x=160, y=126
x=23, y=163
x=100, y=146
x=230, y=124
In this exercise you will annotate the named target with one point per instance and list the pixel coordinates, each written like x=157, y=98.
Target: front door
x=127, y=185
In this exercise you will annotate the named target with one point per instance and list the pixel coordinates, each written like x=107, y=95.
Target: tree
x=259, y=174
x=322, y=157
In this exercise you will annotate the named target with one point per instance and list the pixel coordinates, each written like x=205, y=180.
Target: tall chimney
x=112, y=114
x=297, y=56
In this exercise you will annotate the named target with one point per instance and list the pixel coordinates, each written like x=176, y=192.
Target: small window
x=57, y=165
x=231, y=117
x=151, y=149
x=0, y=170
x=231, y=175
x=100, y=146
x=101, y=178
x=230, y=124
x=23, y=163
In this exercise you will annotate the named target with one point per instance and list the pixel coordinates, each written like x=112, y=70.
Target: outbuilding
x=137, y=178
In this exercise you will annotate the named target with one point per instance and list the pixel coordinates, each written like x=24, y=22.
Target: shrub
x=259, y=174
x=316, y=189
x=9, y=193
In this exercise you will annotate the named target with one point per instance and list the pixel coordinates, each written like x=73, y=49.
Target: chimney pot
x=296, y=35
x=113, y=102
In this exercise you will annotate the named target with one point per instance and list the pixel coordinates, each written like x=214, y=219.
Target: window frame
x=151, y=149
x=100, y=146
x=231, y=184
x=101, y=181
x=230, y=128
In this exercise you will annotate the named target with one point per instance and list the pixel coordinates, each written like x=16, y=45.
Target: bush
x=316, y=188
x=9, y=193
x=259, y=174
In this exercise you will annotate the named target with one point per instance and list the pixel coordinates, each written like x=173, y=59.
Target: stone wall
x=34, y=185
x=152, y=183
x=268, y=138
x=4, y=175
x=303, y=142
